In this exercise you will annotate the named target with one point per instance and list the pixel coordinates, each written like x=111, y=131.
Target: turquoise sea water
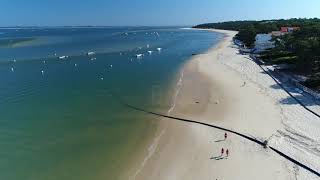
x=57, y=117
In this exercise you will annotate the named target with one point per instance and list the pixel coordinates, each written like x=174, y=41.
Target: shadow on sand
x=295, y=97
x=218, y=158
x=221, y=140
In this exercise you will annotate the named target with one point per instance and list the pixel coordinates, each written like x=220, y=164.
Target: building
x=289, y=29
x=284, y=31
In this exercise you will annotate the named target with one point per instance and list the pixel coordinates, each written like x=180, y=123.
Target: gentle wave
x=153, y=147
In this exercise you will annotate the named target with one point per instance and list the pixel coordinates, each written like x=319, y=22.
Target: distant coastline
x=52, y=27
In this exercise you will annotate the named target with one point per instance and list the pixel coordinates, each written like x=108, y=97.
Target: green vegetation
x=313, y=81
x=248, y=29
x=300, y=48
x=278, y=56
x=247, y=35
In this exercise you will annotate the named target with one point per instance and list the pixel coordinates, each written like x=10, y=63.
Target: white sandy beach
x=224, y=88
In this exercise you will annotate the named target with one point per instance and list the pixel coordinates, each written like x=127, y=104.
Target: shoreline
x=160, y=130
x=151, y=143
x=224, y=88
x=165, y=125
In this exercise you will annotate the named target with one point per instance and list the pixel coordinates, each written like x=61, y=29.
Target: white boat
x=150, y=52
x=159, y=49
x=63, y=57
x=91, y=53
x=139, y=55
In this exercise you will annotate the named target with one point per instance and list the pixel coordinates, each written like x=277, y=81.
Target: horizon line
x=89, y=26
x=104, y=26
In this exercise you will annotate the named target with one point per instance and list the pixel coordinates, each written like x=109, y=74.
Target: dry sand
x=217, y=91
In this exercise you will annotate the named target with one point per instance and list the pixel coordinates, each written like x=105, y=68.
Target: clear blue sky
x=148, y=12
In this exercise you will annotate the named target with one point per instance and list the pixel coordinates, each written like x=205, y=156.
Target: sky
x=149, y=12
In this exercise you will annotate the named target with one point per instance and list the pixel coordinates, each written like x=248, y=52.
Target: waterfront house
x=289, y=29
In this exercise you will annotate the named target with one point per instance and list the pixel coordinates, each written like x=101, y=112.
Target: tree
x=247, y=35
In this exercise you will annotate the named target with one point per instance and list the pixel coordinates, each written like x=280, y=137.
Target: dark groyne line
x=295, y=161
x=216, y=127
x=231, y=131
x=304, y=166
x=281, y=86
x=196, y=122
x=116, y=97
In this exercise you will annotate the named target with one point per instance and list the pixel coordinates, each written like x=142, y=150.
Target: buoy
x=42, y=72
x=101, y=78
x=75, y=65
x=111, y=65
x=12, y=69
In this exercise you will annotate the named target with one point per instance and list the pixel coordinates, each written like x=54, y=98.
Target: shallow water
x=58, y=119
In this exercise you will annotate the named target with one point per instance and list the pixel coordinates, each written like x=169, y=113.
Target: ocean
x=60, y=115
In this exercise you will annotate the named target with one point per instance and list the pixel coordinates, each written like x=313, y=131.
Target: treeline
x=249, y=29
x=300, y=49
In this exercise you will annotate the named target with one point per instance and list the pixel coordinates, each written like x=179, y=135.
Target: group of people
x=222, y=149
x=227, y=152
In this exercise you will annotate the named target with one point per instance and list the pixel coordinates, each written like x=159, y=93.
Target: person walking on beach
x=222, y=151
x=227, y=152
x=225, y=136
